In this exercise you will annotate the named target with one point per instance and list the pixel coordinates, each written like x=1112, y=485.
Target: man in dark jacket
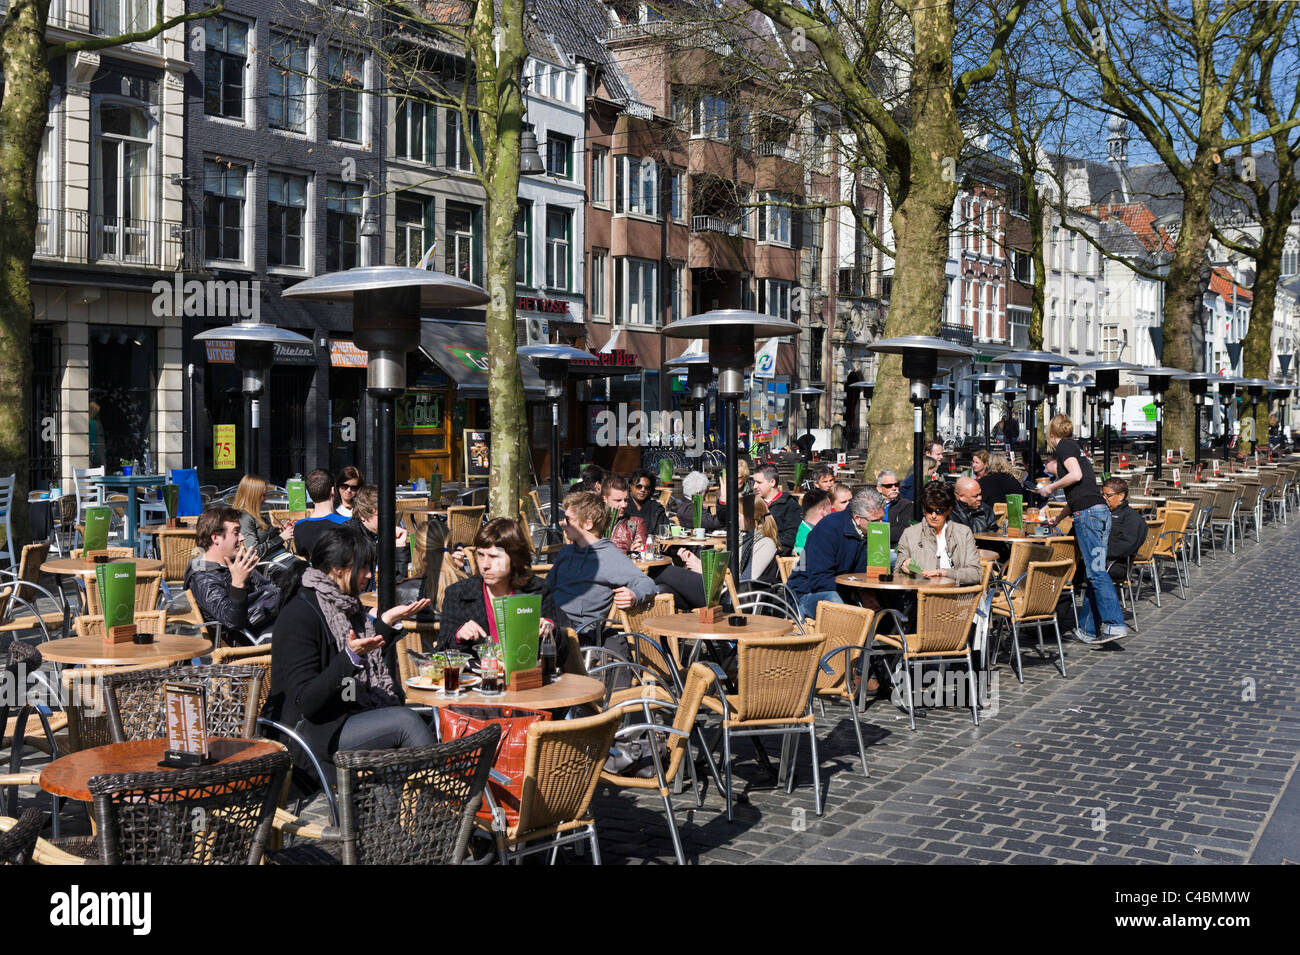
x=223, y=581
x=1128, y=531
x=837, y=545
x=971, y=509
x=644, y=504
x=784, y=509
x=898, y=509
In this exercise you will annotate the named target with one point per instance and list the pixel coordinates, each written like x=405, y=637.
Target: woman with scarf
x=334, y=675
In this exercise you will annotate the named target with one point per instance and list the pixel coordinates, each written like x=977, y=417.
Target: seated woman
x=347, y=484
x=697, y=482
x=365, y=518
x=504, y=568
x=261, y=537
x=757, y=559
x=942, y=548
x=997, y=481
x=334, y=675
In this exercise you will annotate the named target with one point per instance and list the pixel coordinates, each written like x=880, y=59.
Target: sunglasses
x=642, y=487
x=349, y=487
x=888, y=486
x=930, y=512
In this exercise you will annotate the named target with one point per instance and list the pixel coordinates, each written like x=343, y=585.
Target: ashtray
x=738, y=620
x=102, y=558
x=142, y=638
x=886, y=578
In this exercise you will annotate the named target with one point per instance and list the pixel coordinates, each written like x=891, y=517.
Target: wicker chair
x=278, y=517
x=147, y=584
x=176, y=547
x=148, y=621
x=19, y=594
x=258, y=656
x=944, y=616
x=1065, y=548
x=1142, y=561
x=1034, y=602
x=117, y=553
x=839, y=626
x=137, y=705
x=677, y=743
x=462, y=525
x=18, y=843
x=1172, y=546
x=208, y=815
x=775, y=682
x=406, y=806
x=562, y=766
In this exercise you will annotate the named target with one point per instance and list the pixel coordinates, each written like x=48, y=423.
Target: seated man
x=697, y=482
x=1128, y=530
x=933, y=458
x=222, y=579
x=783, y=508
x=841, y=494
x=823, y=477
x=629, y=533
x=643, y=503
x=898, y=509
x=971, y=509
x=837, y=545
x=590, y=575
x=815, y=505
x=320, y=489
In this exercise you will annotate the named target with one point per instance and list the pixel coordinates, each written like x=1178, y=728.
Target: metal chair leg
x=973, y=689
x=672, y=830
x=907, y=685
x=726, y=755
x=818, y=801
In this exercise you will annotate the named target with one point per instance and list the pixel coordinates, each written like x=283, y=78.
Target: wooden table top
x=434, y=511
x=900, y=582
x=567, y=689
x=70, y=775
x=93, y=651
x=69, y=565
x=1002, y=538
x=645, y=565
x=687, y=626
x=718, y=542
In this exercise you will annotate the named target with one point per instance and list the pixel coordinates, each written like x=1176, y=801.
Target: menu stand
x=187, y=725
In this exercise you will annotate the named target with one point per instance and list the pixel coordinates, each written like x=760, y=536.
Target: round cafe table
x=567, y=689
x=70, y=775
x=688, y=626
x=93, y=651
x=75, y=565
x=901, y=582
x=716, y=542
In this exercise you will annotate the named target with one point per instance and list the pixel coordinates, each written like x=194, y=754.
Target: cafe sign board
x=222, y=352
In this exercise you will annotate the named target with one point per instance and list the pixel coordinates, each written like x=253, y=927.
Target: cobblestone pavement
x=1176, y=748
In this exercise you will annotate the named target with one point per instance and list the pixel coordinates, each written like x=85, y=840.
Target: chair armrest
x=646, y=701
x=315, y=763
x=638, y=728
x=289, y=824
x=719, y=675
x=824, y=663
x=20, y=779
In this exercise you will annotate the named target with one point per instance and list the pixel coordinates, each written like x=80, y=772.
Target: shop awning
x=460, y=350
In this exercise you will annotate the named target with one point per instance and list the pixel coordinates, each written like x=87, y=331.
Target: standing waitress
x=1102, y=618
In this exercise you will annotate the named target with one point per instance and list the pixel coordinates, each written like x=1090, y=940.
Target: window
x=458, y=145
x=554, y=82
x=636, y=186
x=47, y=185
x=988, y=310
x=745, y=212
x=416, y=129
x=224, y=191
x=812, y=237
x=774, y=219
x=346, y=76
x=286, y=82
x=122, y=183
x=886, y=286
x=1290, y=260
x=675, y=201
x=463, y=256
x=709, y=117
x=816, y=345
x=1022, y=266
x=559, y=156
x=114, y=17
x=636, y=286
x=559, y=226
x=414, y=215
x=600, y=176
x=342, y=226
x=682, y=106
x=524, y=244
x=224, y=62
x=774, y=298
x=286, y=220
x=1017, y=198
x=599, y=267
x=677, y=292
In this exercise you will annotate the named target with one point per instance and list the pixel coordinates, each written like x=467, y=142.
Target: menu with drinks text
x=186, y=707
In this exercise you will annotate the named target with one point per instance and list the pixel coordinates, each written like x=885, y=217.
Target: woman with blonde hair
x=997, y=481
x=260, y=536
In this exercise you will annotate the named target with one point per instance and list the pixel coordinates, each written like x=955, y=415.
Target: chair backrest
x=83, y=702
x=1063, y=548
x=665, y=496
x=193, y=616
x=177, y=548
x=413, y=806
x=146, y=621
x=1149, y=543
x=189, y=499
x=7, y=492
x=86, y=491
x=633, y=619
x=137, y=706
x=147, y=584
x=944, y=616
x=463, y=524
x=1175, y=519
x=114, y=552
x=1043, y=586
x=278, y=516
x=254, y=656
x=562, y=765
x=785, y=565
x=208, y=815
x=774, y=676
x=29, y=571
x=18, y=845
x=839, y=625
x=1000, y=510
x=1024, y=550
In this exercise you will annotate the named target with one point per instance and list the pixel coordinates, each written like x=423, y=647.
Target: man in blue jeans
x=836, y=545
x=1102, y=617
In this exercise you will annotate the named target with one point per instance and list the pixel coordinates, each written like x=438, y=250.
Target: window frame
x=524, y=244
x=344, y=99
x=217, y=59
x=473, y=238
x=565, y=242
x=600, y=176
x=304, y=237
x=337, y=192
x=565, y=141
x=228, y=167
x=285, y=73
x=599, y=284
x=627, y=187
x=402, y=227
x=625, y=266
x=773, y=213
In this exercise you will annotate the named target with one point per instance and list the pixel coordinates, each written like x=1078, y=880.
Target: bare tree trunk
x=1182, y=299
x=1257, y=349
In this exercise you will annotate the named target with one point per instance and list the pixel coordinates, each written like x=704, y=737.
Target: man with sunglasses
x=643, y=504
x=837, y=545
x=898, y=509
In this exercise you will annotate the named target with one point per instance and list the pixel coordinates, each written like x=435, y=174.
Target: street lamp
x=1280, y=393
x=553, y=366
x=699, y=376
x=731, y=333
x=254, y=354
x=1227, y=389
x=921, y=354
x=1035, y=366
x=988, y=386
x=868, y=390
x=1198, y=385
x=386, y=302
x=1158, y=381
x=1106, y=376
x=809, y=396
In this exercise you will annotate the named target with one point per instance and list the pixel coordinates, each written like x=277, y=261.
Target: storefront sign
x=345, y=354
x=614, y=358
x=478, y=454
x=547, y=306
x=475, y=359
x=420, y=410
x=223, y=447
x=222, y=352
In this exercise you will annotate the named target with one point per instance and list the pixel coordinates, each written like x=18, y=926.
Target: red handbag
x=468, y=718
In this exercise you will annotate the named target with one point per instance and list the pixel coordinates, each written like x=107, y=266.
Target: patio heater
x=1198, y=385
x=988, y=386
x=1227, y=390
x=920, y=354
x=699, y=376
x=1256, y=388
x=1053, y=391
x=937, y=394
x=868, y=391
x=553, y=366
x=731, y=333
x=1280, y=393
x=254, y=355
x=1106, y=375
x=1035, y=367
x=1089, y=386
x=386, y=303
x=809, y=396
x=1158, y=380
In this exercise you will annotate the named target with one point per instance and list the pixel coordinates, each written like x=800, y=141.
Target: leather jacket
x=629, y=534
x=980, y=520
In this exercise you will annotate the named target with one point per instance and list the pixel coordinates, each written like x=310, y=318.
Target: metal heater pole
x=918, y=453
x=1031, y=452
x=1106, y=441
x=988, y=438
x=731, y=404
x=387, y=483
x=1160, y=436
x=555, y=462
x=1196, y=435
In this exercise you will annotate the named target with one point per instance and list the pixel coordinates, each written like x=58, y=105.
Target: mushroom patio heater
x=937, y=394
x=1106, y=375
x=386, y=303
x=1035, y=367
x=1089, y=386
x=921, y=354
x=553, y=366
x=988, y=386
x=1280, y=393
x=1158, y=380
x=731, y=333
x=1198, y=385
x=699, y=376
x=868, y=391
x=254, y=355
x=1053, y=391
x=1256, y=389
x=809, y=396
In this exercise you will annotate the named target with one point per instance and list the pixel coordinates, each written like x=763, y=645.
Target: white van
x=1134, y=416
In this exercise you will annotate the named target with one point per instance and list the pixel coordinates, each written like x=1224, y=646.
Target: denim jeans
x=808, y=602
x=1092, y=533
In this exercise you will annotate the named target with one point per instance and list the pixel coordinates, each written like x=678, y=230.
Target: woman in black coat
x=502, y=554
x=334, y=675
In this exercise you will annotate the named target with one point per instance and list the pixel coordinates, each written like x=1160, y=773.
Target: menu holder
x=877, y=550
x=1015, y=515
x=713, y=573
x=518, y=619
x=530, y=679
x=94, y=534
x=665, y=470
x=296, y=490
x=116, y=582
x=186, y=705
x=171, y=495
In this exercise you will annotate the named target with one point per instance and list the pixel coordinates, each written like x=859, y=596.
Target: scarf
x=374, y=682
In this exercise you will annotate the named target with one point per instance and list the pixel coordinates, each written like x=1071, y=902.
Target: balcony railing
x=779, y=150
x=715, y=224
x=957, y=334
x=93, y=239
x=635, y=31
